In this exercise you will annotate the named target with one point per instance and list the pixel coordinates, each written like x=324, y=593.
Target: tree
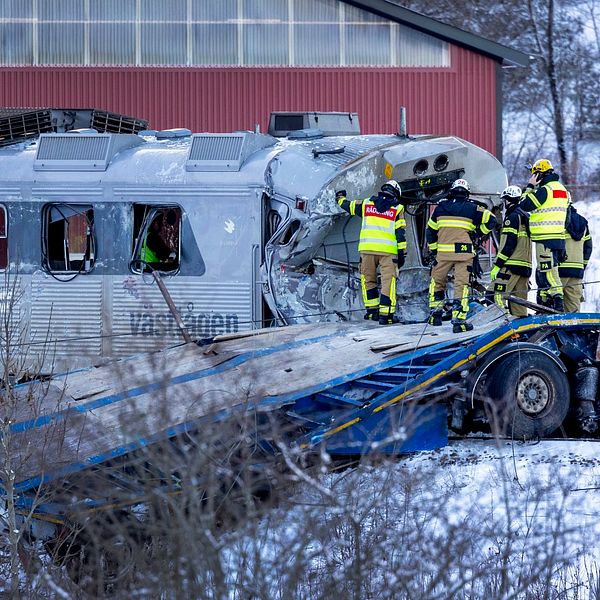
x=551, y=106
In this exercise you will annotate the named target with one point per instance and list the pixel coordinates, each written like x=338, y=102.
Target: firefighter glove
x=339, y=194
x=494, y=272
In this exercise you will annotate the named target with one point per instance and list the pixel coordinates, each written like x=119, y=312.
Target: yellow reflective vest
x=378, y=231
x=547, y=221
x=147, y=255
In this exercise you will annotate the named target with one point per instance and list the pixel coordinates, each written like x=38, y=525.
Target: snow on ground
x=472, y=520
x=591, y=211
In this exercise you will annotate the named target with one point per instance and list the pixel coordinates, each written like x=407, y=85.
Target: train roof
x=180, y=159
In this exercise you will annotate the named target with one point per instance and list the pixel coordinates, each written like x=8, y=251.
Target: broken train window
x=3, y=238
x=156, y=239
x=68, y=239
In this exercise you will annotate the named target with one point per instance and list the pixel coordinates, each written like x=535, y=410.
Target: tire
x=528, y=395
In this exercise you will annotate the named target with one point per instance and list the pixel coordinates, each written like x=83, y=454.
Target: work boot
x=388, y=319
x=558, y=303
x=435, y=318
x=372, y=314
x=460, y=325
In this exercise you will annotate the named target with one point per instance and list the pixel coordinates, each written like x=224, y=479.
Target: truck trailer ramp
x=348, y=389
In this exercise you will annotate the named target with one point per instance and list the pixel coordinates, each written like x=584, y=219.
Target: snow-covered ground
x=591, y=211
x=472, y=520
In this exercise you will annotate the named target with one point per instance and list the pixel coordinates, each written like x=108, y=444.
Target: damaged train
x=248, y=230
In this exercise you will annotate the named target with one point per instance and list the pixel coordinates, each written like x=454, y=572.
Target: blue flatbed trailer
x=347, y=389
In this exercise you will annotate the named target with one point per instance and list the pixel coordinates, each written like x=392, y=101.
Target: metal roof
x=399, y=14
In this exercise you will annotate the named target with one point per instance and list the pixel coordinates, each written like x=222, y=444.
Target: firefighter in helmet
x=545, y=199
x=512, y=269
x=578, y=245
x=382, y=245
x=452, y=229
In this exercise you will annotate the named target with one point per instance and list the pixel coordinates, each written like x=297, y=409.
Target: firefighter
x=545, y=199
x=154, y=251
x=578, y=246
x=512, y=269
x=451, y=231
x=382, y=244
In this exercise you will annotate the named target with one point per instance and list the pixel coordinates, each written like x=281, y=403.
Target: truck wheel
x=528, y=395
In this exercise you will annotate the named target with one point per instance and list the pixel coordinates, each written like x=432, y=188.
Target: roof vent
x=80, y=152
x=330, y=123
x=224, y=151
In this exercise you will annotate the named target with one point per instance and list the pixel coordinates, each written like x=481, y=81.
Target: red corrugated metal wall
x=460, y=100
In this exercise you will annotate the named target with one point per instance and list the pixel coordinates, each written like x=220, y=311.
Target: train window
x=68, y=239
x=3, y=239
x=289, y=233
x=156, y=244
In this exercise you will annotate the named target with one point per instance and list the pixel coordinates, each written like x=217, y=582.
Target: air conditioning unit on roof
x=330, y=123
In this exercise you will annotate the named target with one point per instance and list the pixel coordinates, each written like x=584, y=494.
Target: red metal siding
x=460, y=100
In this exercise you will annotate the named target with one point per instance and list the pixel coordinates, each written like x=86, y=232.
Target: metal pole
x=402, y=131
x=163, y=290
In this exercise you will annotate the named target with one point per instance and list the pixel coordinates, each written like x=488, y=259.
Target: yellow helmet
x=541, y=166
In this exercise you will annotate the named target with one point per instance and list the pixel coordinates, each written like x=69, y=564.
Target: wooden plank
x=445, y=334
x=380, y=347
x=538, y=308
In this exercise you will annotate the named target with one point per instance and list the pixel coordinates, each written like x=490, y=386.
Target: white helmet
x=460, y=183
x=392, y=187
x=512, y=191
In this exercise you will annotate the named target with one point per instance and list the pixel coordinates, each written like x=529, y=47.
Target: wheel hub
x=532, y=394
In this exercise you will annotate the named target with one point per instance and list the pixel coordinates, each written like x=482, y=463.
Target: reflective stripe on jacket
x=455, y=223
x=578, y=253
x=515, y=244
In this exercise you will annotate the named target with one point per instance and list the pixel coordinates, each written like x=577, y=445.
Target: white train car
x=254, y=234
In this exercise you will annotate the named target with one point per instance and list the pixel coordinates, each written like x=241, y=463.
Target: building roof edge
x=389, y=10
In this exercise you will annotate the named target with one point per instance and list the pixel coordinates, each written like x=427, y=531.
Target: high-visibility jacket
x=147, y=255
x=578, y=246
x=548, y=211
x=380, y=233
x=515, y=243
x=454, y=224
